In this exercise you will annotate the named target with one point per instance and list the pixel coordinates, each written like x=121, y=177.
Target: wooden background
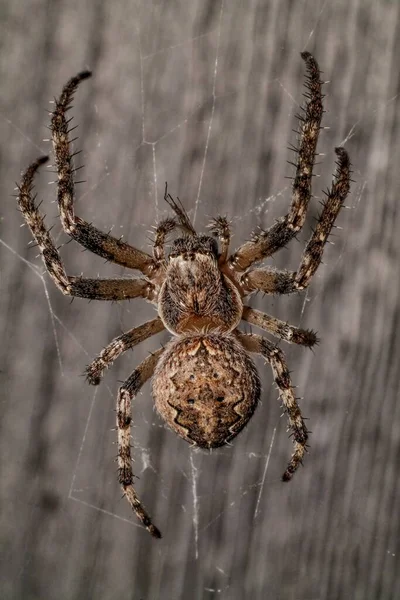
x=202, y=94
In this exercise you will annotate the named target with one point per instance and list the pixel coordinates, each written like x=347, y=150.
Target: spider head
x=206, y=388
x=192, y=247
x=195, y=295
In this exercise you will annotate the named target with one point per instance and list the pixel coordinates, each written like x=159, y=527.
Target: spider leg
x=276, y=358
x=126, y=394
x=335, y=198
x=111, y=289
x=84, y=233
x=119, y=345
x=295, y=335
x=95, y=289
x=221, y=227
x=265, y=243
x=285, y=282
x=268, y=280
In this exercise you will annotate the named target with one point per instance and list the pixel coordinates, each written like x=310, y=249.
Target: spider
x=205, y=384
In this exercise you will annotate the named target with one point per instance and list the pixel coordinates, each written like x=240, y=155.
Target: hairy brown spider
x=205, y=384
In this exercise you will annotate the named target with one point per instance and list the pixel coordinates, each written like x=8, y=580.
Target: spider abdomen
x=206, y=388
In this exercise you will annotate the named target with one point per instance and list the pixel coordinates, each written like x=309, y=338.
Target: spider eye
x=191, y=401
x=220, y=399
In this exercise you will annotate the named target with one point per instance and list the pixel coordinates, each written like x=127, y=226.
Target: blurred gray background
x=202, y=95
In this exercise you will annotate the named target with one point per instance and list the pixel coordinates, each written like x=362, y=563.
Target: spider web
x=252, y=192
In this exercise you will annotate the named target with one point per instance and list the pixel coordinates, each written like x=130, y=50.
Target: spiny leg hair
x=126, y=394
x=266, y=243
x=276, y=358
x=94, y=289
x=271, y=281
x=84, y=233
x=119, y=345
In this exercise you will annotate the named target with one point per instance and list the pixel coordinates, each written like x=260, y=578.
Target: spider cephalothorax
x=205, y=385
x=195, y=295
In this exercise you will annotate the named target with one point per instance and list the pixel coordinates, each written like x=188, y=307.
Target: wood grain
x=202, y=95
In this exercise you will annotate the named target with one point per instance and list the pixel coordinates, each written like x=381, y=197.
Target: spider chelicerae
x=205, y=384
